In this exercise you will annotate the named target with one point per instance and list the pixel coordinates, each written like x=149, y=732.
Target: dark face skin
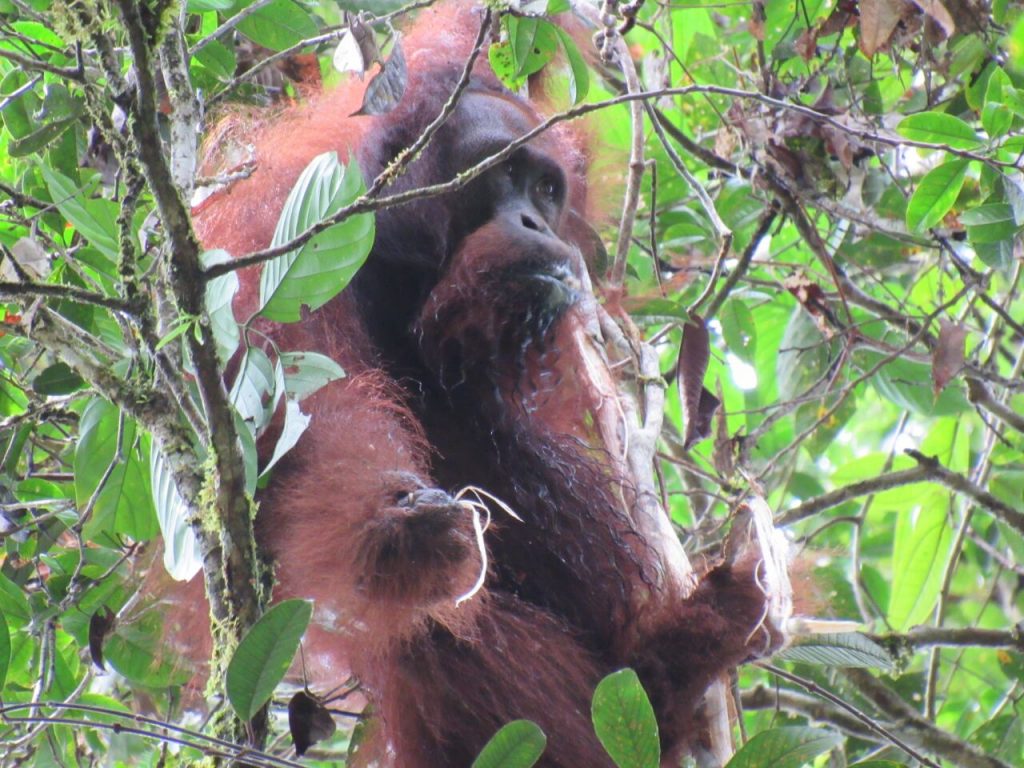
x=526, y=193
x=502, y=232
x=509, y=275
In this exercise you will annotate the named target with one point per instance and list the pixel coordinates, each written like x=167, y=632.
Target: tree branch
x=916, y=728
x=18, y=291
x=811, y=707
x=837, y=701
x=230, y=563
x=69, y=73
x=970, y=637
x=852, y=491
x=979, y=394
x=957, y=482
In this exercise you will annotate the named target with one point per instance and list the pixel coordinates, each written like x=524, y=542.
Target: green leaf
x=996, y=255
x=1016, y=44
x=198, y=6
x=295, y=423
x=57, y=379
x=989, y=223
x=95, y=219
x=624, y=721
x=1001, y=737
x=939, y=128
x=220, y=293
x=264, y=655
x=935, y=195
x=16, y=109
x=137, y=651
x=306, y=372
x=534, y=42
x=40, y=138
x=579, y=73
x=518, y=744
x=5, y=651
x=123, y=505
x=1015, y=101
x=13, y=603
x=993, y=213
x=804, y=355
x=13, y=400
x=996, y=119
x=848, y=649
x=218, y=59
x=39, y=33
x=921, y=549
x=503, y=62
x=318, y=271
x=182, y=558
x=182, y=325
x=279, y=25
x=247, y=437
x=253, y=393
x=788, y=747
x=907, y=383
x=739, y=329
x=969, y=52
x=685, y=29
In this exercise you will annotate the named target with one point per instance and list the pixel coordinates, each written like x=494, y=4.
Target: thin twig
x=928, y=735
x=228, y=25
x=742, y=265
x=327, y=36
x=404, y=158
x=18, y=291
x=957, y=482
x=968, y=637
x=869, y=722
x=69, y=73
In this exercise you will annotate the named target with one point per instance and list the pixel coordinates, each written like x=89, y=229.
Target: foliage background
x=834, y=187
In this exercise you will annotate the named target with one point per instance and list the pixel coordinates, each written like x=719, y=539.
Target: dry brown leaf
x=813, y=299
x=699, y=405
x=807, y=44
x=723, y=455
x=756, y=24
x=309, y=721
x=948, y=357
x=838, y=143
x=101, y=624
x=357, y=48
x=938, y=13
x=878, y=19
x=725, y=141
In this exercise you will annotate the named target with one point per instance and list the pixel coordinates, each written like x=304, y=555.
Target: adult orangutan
x=458, y=337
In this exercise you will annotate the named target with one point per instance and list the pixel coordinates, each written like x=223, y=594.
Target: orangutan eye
x=547, y=188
